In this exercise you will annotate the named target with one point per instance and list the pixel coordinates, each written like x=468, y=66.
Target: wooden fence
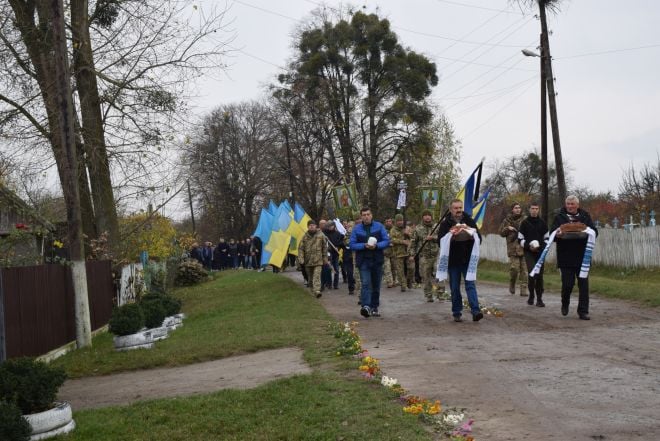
x=639, y=248
x=39, y=306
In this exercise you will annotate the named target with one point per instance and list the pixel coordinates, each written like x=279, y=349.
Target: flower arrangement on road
x=486, y=310
x=447, y=422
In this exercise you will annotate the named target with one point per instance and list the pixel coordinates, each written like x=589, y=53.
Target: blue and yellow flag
x=479, y=209
x=469, y=194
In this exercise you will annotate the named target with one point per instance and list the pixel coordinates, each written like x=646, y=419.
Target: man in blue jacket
x=368, y=240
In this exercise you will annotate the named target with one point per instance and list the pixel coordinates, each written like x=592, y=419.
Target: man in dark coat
x=459, y=260
x=533, y=237
x=570, y=253
x=207, y=255
x=337, y=240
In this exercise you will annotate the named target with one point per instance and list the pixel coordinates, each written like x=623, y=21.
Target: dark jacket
x=335, y=238
x=571, y=251
x=533, y=228
x=207, y=256
x=459, y=253
x=359, y=237
x=196, y=253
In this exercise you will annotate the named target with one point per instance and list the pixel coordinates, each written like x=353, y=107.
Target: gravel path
x=530, y=375
x=239, y=372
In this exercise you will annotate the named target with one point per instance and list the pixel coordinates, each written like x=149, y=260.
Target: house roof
x=9, y=199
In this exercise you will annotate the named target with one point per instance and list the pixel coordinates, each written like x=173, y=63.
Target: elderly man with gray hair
x=573, y=226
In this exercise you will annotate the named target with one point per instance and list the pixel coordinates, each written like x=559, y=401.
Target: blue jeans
x=455, y=273
x=371, y=274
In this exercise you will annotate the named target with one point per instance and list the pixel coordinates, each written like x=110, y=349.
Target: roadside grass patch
x=236, y=313
x=321, y=406
x=642, y=285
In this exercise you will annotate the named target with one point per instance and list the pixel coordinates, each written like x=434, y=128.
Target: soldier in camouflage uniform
x=388, y=275
x=509, y=230
x=428, y=255
x=400, y=237
x=313, y=255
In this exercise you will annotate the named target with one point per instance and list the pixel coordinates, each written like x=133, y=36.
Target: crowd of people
x=235, y=254
x=364, y=253
x=368, y=253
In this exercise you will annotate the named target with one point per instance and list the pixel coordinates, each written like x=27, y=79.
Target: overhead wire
x=467, y=5
x=592, y=54
x=497, y=112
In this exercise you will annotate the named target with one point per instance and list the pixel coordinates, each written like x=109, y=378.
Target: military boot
x=530, y=300
x=539, y=300
x=512, y=286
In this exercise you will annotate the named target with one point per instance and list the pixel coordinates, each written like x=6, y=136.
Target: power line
x=266, y=10
x=467, y=5
x=497, y=112
x=513, y=86
x=500, y=94
x=592, y=54
x=488, y=49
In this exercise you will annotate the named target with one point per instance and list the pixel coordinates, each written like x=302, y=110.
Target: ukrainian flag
x=297, y=227
x=479, y=209
x=279, y=240
x=469, y=194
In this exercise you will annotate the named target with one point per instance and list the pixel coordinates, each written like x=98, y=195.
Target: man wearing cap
x=313, y=255
x=400, y=239
x=422, y=237
x=509, y=230
x=368, y=240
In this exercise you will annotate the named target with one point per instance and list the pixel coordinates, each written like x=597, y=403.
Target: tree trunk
x=66, y=134
x=554, y=123
x=92, y=124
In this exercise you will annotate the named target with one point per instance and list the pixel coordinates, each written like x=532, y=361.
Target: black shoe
x=564, y=310
x=359, y=302
x=365, y=311
x=540, y=303
x=318, y=295
x=585, y=317
x=429, y=299
x=375, y=313
x=350, y=293
x=458, y=319
x=478, y=316
x=530, y=300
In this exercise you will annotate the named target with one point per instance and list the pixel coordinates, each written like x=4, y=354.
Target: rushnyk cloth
x=586, y=260
x=441, y=272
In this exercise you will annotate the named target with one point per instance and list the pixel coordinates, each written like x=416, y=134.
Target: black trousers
x=568, y=276
x=534, y=284
x=347, y=267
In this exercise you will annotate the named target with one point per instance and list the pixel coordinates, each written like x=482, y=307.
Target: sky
x=606, y=59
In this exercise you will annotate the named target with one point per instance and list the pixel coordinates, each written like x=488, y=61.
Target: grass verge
x=640, y=285
x=242, y=312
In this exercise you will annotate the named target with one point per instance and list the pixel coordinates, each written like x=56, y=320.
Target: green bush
x=31, y=385
x=190, y=272
x=13, y=427
x=154, y=311
x=172, y=305
x=126, y=319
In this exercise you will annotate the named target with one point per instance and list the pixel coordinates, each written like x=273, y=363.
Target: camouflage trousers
x=406, y=280
x=518, y=271
x=387, y=273
x=356, y=276
x=314, y=278
x=427, y=270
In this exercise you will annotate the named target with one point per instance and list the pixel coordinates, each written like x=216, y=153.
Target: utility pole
x=65, y=132
x=545, y=48
x=545, y=209
x=192, y=213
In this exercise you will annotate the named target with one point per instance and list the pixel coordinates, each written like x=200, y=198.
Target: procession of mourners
x=368, y=256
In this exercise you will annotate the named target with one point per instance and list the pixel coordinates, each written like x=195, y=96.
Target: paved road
x=530, y=375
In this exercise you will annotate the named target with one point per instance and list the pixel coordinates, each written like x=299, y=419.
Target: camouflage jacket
x=397, y=236
x=387, y=252
x=513, y=248
x=313, y=249
x=420, y=234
